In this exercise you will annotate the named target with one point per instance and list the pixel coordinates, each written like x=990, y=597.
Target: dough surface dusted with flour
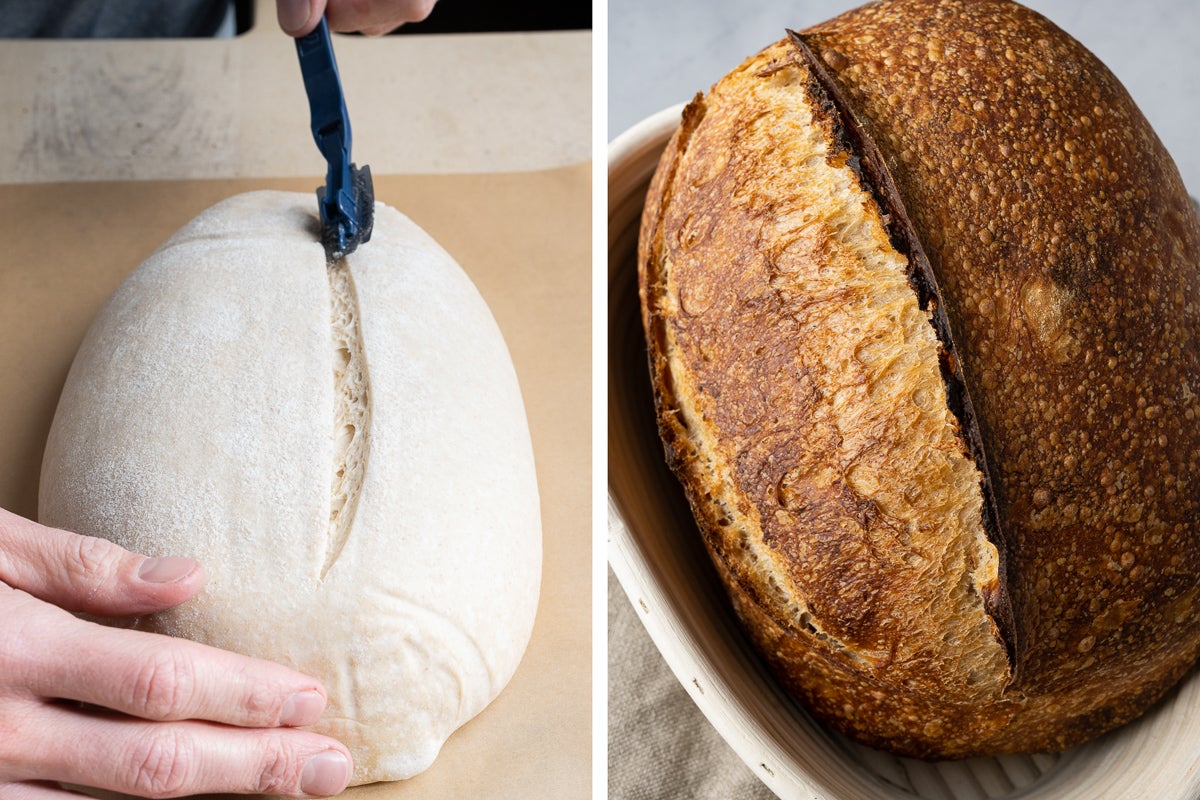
x=345, y=449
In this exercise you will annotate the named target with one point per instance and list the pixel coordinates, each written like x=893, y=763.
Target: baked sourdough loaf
x=343, y=447
x=920, y=289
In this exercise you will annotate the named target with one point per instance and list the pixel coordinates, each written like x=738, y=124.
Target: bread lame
x=347, y=200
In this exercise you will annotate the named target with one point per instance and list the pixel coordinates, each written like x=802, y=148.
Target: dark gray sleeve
x=111, y=19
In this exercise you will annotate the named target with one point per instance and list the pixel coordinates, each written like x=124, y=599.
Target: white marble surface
x=662, y=52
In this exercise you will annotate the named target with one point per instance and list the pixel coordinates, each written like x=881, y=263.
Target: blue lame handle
x=342, y=226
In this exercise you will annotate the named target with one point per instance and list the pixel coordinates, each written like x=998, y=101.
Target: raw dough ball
x=344, y=449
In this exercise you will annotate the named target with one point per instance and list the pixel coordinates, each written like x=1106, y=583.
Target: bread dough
x=236, y=392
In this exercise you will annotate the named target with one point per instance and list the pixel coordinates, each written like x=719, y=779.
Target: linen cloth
x=660, y=746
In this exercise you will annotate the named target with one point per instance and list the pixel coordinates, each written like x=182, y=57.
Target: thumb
x=299, y=17
x=84, y=573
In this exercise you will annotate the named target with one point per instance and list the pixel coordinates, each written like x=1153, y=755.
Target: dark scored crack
x=865, y=159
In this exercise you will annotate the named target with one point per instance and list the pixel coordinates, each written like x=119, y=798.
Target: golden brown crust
x=890, y=593
x=1065, y=254
x=877, y=178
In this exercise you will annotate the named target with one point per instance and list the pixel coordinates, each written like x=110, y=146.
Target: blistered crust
x=799, y=387
x=1065, y=253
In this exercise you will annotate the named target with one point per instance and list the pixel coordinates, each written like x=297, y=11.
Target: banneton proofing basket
x=656, y=553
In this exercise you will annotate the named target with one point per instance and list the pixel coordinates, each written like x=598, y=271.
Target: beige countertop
x=80, y=110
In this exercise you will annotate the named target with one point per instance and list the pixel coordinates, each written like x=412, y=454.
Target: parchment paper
x=524, y=238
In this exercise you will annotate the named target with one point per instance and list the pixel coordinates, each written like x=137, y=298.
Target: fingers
x=83, y=573
x=374, y=18
x=162, y=678
x=48, y=656
x=174, y=759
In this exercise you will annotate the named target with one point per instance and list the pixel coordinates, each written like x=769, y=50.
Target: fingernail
x=293, y=14
x=325, y=774
x=165, y=570
x=302, y=708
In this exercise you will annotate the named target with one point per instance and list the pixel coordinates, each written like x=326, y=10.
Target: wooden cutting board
x=525, y=239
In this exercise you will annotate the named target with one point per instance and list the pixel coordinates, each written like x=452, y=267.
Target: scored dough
x=201, y=418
